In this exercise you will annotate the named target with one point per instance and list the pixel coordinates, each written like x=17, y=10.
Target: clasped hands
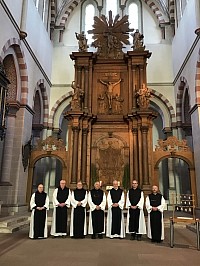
x=61, y=204
x=154, y=209
x=40, y=208
x=115, y=205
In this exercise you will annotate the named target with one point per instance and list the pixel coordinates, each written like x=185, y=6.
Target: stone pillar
x=23, y=33
x=75, y=130
x=8, y=145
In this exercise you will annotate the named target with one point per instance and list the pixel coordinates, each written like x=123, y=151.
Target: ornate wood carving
x=110, y=160
x=172, y=144
x=50, y=144
x=109, y=35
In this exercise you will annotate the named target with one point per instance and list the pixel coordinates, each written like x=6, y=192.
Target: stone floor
x=18, y=250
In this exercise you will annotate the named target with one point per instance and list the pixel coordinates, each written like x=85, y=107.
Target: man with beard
x=155, y=204
x=39, y=205
x=135, y=216
x=78, y=214
x=97, y=203
x=61, y=201
x=115, y=218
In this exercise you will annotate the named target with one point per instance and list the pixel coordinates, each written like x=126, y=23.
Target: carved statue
x=110, y=85
x=118, y=104
x=82, y=41
x=102, y=104
x=77, y=97
x=26, y=153
x=144, y=94
x=137, y=40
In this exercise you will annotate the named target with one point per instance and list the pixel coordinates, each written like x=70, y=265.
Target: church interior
x=99, y=90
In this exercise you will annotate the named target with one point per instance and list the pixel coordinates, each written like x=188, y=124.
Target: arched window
x=88, y=11
x=43, y=9
x=133, y=16
x=89, y=21
x=134, y=11
x=111, y=5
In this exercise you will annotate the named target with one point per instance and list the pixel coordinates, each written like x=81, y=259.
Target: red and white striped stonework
x=42, y=88
x=16, y=45
x=56, y=106
x=179, y=100
x=68, y=12
x=53, y=12
x=172, y=9
x=152, y=5
x=167, y=104
x=197, y=78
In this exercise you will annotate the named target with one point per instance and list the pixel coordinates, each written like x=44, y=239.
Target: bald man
x=97, y=203
x=115, y=218
x=61, y=201
x=155, y=204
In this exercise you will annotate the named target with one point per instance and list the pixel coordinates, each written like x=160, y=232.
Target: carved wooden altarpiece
x=110, y=120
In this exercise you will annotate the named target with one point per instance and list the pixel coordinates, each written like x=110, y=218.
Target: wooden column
x=135, y=154
x=75, y=130
x=144, y=130
x=84, y=155
x=86, y=87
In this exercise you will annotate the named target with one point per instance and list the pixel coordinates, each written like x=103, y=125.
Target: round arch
x=186, y=156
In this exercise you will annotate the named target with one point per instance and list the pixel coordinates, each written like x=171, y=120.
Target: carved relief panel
x=109, y=155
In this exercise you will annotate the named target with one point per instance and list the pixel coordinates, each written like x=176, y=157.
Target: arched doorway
x=48, y=165
x=174, y=178
x=48, y=171
x=174, y=168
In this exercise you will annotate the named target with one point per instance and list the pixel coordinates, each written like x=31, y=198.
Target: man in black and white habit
x=97, y=203
x=115, y=218
x=135, y=217
x=78, y=225
x=39, y=205
x=61, y=201
x=155, y=205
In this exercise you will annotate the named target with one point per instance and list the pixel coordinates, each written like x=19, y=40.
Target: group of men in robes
x=96, y=199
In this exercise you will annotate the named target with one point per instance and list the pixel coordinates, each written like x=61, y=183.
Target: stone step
x=14, y=227
x=14, y=223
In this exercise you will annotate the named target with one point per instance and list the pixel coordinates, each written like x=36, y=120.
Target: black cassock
x=155, y=217
x=39, y=216
x=97, y=215
x=134, y=214
x=79, y=214
x=61, y=212
x=116, y=211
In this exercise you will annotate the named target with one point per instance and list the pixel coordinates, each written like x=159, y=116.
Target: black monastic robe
x=79, y=214
x=116, y=211
x=134, y=214
x=97, y=215
x=61, y=212
x=39, y=216
x=155, y=217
